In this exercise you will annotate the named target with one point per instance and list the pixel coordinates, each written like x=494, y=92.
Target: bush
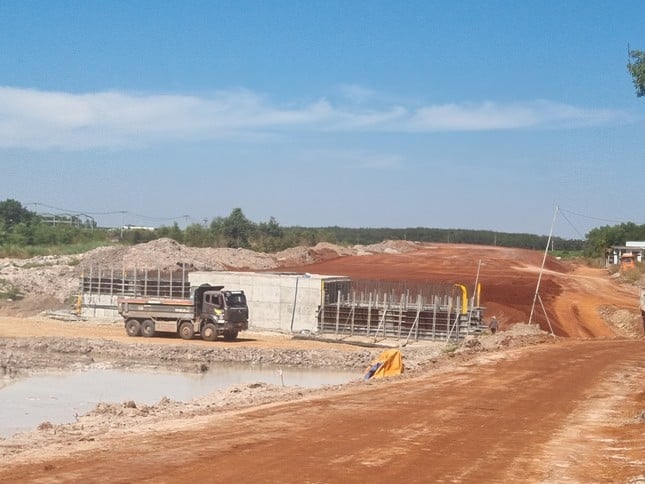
x=9, y=291
x=631, y=276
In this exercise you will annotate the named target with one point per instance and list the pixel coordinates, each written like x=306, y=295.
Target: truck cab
x=227, y=311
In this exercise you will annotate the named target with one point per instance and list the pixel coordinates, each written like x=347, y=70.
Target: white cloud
x=356, y=93
x=492, y=116
x=35, y=119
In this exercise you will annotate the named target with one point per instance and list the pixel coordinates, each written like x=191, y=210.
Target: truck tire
x=133, y=327
x=186, y=330
x=209, y=332
x=148, y=328
x=230, y=335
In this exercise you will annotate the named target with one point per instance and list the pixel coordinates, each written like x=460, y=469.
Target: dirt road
x=567, y=412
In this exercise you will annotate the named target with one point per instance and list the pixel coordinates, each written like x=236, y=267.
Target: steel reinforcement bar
x=351, y=309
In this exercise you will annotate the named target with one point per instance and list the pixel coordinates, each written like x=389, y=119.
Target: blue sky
x=470, y=114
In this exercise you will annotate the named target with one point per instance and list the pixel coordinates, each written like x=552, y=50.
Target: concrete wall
x=99, y=307
x=279, y=302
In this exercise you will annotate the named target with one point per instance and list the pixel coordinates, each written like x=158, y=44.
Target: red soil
x=572, y=295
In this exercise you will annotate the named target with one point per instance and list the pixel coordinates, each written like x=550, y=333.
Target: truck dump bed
x=155, y=307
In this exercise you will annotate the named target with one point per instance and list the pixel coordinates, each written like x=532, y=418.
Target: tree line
x=636, y=67
x=22, y=230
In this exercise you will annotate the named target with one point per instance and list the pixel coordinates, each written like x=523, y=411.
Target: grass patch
x=450, y=348
x=27, y=252
x=8, y=291
x=35, y=265
x=632, y=276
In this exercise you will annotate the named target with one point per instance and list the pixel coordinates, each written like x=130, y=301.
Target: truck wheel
x=230, y=335
x=148, y=328
x=186, y=330
x=209, y=332
x=133, y=327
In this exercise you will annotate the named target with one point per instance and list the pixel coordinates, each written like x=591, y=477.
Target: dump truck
x=210, y=312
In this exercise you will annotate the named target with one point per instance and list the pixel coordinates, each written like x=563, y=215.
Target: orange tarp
x=389, y=363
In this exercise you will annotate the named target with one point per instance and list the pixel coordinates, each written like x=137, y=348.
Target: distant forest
x=24, y=233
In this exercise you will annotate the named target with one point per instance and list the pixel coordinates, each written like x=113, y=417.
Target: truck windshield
x=236, y=300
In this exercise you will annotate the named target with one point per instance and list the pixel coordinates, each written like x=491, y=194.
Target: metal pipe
x=295, y=299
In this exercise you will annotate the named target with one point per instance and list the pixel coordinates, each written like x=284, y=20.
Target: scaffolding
x=100, y=287
x=402, y=311
x=96, y=280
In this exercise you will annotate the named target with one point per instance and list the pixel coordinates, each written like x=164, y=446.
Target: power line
x=113, y=212
x=572, y=226
x=593, y=218
x=65, y=210
x=157, y=218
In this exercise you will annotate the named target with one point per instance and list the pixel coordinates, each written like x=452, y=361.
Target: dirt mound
x=389, y=247
x=626, y=322
x=30, y=305
x=50, y=277
x=321, y=252
x=56, y=278
x=168, y=254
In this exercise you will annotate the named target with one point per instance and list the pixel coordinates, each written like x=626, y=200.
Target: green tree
x=138, y=236
x=601, y=238
x=196, y=235
x=238, y=229
x=216, y=228
x=21, y=235
x=636, y=67
x=269, y=236
x=13, y=213
x=45, y=234
x=173, y=232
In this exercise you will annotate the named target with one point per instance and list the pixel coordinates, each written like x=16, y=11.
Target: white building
x=635, y=248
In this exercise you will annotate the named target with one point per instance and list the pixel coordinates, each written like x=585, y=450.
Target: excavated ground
x=518, y=406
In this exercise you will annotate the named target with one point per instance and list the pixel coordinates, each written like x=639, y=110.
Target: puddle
x=58, y=397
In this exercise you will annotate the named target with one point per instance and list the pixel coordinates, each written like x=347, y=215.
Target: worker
x=493, y=325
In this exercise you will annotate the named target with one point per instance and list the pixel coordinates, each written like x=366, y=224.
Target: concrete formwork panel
x=100, y=307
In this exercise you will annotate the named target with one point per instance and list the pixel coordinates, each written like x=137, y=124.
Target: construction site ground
x=518, y=406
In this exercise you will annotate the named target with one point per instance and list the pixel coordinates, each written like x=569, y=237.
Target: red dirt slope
x=573, y=296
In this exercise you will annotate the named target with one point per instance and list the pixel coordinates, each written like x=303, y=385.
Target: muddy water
x=58, y=397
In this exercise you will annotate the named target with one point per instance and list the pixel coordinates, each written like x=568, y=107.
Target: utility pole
x=546, y=251
x=122, y=212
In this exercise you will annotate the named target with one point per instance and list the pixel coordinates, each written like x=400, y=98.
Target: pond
x=58, y=397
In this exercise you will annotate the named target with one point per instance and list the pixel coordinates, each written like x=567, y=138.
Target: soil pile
x=56, y=278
